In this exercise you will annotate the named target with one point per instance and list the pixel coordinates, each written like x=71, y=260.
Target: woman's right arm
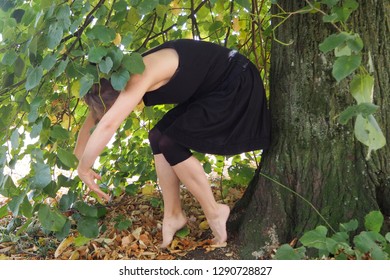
x=84, y=135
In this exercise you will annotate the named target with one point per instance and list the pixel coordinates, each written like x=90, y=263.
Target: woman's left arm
x=108, y=125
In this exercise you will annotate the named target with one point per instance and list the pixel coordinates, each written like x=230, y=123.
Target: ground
x=140, y=240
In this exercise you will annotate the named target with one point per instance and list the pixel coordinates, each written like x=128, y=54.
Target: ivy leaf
x=119, y=79
x=362, y=88
x=365, y=109
x=330, y=3
x=34, y=77
x=315, y=238
x=368, y=132
x=50, y=218
x=333, y=41
x=286, y=252
x=374, y=221
x=345, y=65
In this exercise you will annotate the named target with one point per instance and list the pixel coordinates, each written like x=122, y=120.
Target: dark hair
x=100, y=98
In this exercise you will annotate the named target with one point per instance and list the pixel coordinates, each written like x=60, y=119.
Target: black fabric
x=162, y=144
x=222, y=107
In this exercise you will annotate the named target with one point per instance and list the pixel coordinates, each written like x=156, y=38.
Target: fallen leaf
x=148, y=189
x=3, y=257
x=204, y=225
x=137, y=232
x=63, y=245
x=127, y=240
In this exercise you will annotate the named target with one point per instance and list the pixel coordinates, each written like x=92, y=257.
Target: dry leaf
x=63, y=245
x=204, y=225
x=75, y=255
x=127, y=240
x=137, y=232
x=148, y=189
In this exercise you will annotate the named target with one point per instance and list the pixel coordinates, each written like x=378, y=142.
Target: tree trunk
x=311, y=153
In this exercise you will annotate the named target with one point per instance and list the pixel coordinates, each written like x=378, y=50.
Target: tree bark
x=311, y=153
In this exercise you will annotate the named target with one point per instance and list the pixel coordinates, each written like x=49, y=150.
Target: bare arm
x=159, y=68
x=83, y=136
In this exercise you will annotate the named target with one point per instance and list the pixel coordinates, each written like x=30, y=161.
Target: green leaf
x=134, y=63
x=88, y=227
x=67, y=158
x=182, y=233
x=50, y=218
x=86, y=210
x=345, y=65
x=67, y=200
x=355, y=43
x=9, y=58
x=102, y=33
x=49, y=61
x=333, y=41
x=365, y=109
x=119, y=79
x=245, y=4
x=96, y=54
x=315, y=238
x=147, y=6
x=369, y=133
x=330, y=3
x=54, y=35
x=372, y=243
x=374, y=221
x=105, y=65
x=86, y=83
x=362, y=88
x=81, y=240
x=387, y=236
x=34, y=77
x=61, y=67
x=58, y=132
x=15, y=203
x=3, y=211
x=286, y=252
x=15, y=139
x=42, y=176
x=8, y=187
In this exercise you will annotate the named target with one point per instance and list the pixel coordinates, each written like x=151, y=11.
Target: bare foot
x=170, y=226
x=218, y=224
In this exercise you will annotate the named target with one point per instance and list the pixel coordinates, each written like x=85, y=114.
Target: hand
x=88, y=177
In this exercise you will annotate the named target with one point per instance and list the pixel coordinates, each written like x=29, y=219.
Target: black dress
x=221, y=104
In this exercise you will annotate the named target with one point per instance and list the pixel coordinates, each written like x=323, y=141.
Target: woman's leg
x=192, y=175
x=174, y=218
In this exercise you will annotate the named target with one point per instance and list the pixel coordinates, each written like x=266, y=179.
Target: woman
x=221, y=110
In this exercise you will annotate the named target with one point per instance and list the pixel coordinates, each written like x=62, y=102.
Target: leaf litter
x=137, y=237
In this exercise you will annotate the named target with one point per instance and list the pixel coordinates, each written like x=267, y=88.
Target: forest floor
x=140, y=240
